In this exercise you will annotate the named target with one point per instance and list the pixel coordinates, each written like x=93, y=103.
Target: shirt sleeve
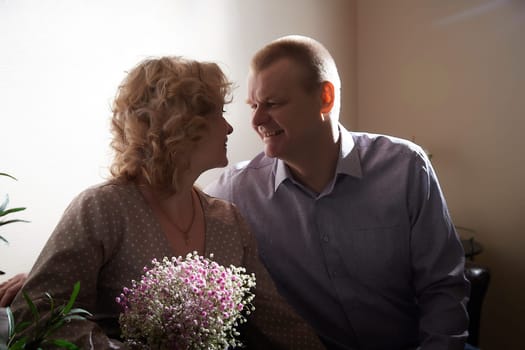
x=438, y=264
x=76, y=251
x=221, y=187
x=273, y=324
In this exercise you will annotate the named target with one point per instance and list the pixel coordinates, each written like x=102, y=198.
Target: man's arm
x=438, y=264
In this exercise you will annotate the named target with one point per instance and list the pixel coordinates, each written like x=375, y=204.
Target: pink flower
x=190, y=302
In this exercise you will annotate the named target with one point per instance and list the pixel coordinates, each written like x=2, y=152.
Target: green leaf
x=74, y=317
x=12, y=210
x=79, y=311
x=10, y=321
x=20, y=344
x=12, y=177
x=21, y=326
x=11, y=221
x=32, y=307
x=41, y=328
x=51, y=302
x=51, y=328
x=74, y=294
x=64, y=344
x=5, y=202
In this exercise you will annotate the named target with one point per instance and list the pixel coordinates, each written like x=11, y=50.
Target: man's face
x=284, y=114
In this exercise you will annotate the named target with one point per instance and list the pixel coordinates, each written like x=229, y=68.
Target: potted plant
x=6, y=211
x=38, y=333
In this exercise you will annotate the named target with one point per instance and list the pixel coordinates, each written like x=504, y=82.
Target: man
x=353, y=227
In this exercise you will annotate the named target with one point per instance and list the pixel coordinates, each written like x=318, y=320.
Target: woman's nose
x=229, y=128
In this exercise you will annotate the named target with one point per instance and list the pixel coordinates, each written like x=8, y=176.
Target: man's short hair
x=317, y=62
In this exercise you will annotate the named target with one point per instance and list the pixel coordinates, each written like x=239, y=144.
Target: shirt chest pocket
x=377, y=255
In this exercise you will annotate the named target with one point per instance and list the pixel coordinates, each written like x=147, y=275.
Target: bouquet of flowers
x=186, y=303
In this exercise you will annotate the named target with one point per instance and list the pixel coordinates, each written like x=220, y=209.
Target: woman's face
x=211, y=150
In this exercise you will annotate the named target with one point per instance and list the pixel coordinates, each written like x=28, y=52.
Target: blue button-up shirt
x=371, y=262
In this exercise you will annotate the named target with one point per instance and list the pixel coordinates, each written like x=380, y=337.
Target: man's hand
x=9, y=288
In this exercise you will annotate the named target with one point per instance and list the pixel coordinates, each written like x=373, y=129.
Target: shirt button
x=325, y=238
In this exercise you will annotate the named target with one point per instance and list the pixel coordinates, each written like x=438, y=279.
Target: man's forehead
x=274, y=79
x=276, y=68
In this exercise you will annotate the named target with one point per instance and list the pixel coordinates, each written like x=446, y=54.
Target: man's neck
x=316, y=167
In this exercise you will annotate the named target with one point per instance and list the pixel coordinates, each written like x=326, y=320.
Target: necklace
x=185, y=232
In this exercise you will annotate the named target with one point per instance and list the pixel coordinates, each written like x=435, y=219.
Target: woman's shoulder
x=213, y=203
x=109, y=193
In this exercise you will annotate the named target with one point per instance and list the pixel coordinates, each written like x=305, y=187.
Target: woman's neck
x=180, y=216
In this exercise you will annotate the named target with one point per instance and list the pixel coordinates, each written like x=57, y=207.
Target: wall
x=451, y=75
x=62, y=61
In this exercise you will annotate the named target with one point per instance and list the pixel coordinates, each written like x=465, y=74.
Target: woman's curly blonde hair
x=159, y=115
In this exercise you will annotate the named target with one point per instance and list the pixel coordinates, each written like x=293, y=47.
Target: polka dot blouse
x=105, y=238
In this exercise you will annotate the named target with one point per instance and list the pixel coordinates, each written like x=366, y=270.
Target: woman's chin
x=220, y=164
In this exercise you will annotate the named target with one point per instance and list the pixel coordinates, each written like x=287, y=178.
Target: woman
x=168, y=128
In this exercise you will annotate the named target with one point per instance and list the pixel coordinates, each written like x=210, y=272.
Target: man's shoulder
x=241, y=176
x=368, y=138
x=380, y=143
x=260, y=164
x=257, y=163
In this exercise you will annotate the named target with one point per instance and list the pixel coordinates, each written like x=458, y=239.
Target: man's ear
x=327, y=97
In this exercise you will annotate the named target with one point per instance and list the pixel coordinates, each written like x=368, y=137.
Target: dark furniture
x=479, y=277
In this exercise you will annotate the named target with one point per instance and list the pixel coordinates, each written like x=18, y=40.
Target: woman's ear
x=327, y=97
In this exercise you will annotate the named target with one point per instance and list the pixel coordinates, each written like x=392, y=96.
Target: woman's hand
x=9, y=288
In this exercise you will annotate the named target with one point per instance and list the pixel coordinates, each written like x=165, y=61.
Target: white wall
x=451, y=73
x=60, y=65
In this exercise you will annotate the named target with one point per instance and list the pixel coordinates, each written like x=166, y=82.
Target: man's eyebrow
x=250, y=100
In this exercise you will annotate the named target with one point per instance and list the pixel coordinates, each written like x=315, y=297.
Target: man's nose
x=259, y=116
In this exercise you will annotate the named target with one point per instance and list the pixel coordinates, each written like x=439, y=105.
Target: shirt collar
x=347, y=164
